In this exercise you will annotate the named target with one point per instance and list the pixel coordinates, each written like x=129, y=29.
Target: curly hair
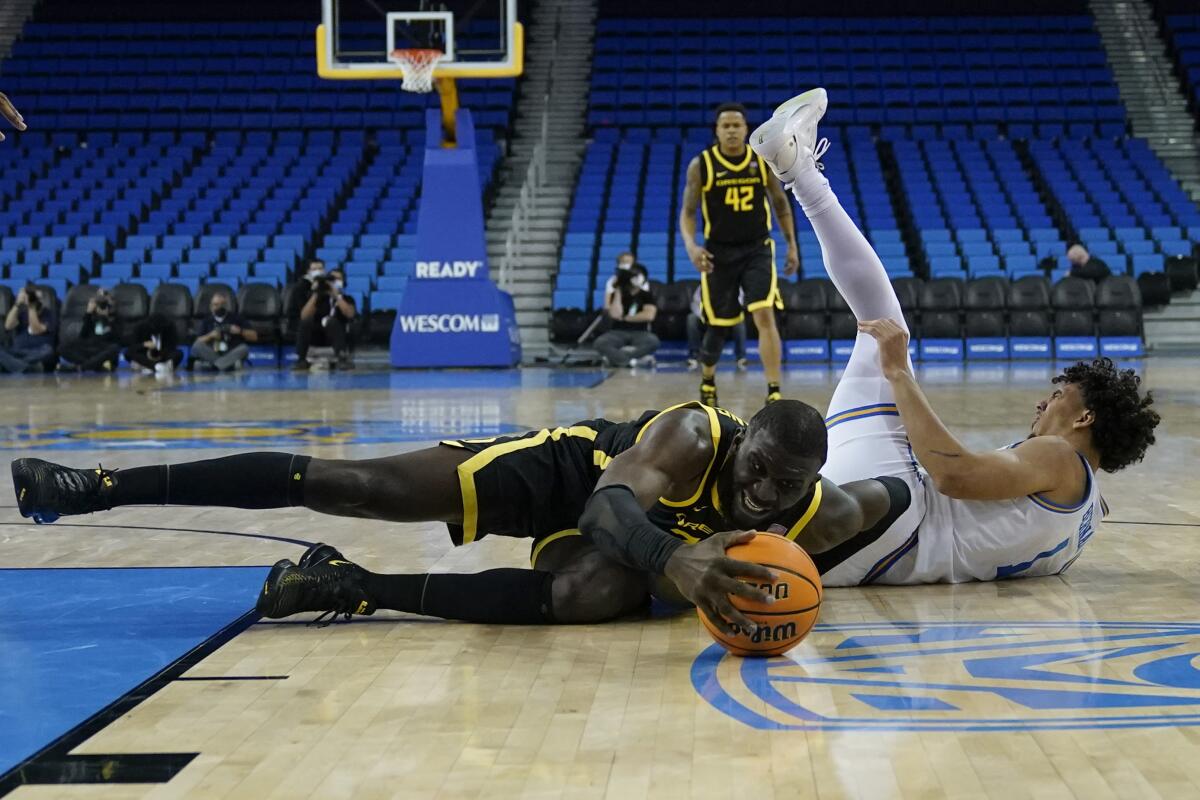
x=1125, y=422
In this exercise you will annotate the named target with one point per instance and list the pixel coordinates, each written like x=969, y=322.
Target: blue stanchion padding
x=806, y=350
x=1122, y=346
x=941, y=349
x=984, y=348
x=840, y=350
x=451, y=314
x=263, y=355
x=1076, y=347
x=1029, y=347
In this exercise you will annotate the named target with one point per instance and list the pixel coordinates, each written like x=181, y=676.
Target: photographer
x=625, y=262
x=222, y=343
x=157, y=352
x=324, y=317
x=98, y=344
x=35, y=325
x=630, y=309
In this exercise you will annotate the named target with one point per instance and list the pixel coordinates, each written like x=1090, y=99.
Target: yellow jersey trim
x=537, y=548
x=708, y=171
x=762, y=168
x=704, y=192
x=468, y=468
x=710, y=315
x=716, y=151
x=808, y=515
x=714, y=427
x=773, y=296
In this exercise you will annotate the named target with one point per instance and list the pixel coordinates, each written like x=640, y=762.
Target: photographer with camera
x=325, y=317
x=629, y=308
x=35, y=326
x=222, y=343
x=98, y=345
x=157, y=351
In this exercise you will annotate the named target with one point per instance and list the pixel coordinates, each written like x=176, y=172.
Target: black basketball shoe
x=47, y=491
x=318, y=554
x=332, y=586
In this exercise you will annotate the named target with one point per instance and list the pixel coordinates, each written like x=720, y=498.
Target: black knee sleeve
x=712, y=344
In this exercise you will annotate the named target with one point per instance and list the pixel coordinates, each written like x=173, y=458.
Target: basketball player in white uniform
x=1024, y=510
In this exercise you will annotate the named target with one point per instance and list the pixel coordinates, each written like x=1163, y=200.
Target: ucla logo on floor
x=984, y=676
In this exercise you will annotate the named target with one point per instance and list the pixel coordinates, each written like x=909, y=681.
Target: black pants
x=311, y=331
x=90, y=353
x=145, y=358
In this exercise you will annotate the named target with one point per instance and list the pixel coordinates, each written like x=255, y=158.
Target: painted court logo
x=986, y=676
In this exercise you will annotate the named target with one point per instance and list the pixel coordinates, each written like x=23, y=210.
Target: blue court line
x=78, y=640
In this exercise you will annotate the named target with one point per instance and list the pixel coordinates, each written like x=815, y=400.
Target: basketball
x=797, y=591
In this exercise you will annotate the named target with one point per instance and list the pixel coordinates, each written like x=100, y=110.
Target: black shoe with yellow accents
x=708, y=393
x=332, y=586
x=773, y=393
x=47, y=491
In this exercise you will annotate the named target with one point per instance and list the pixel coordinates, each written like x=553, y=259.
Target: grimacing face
x=732, y=130
x=1058, y=413
x=761, y=478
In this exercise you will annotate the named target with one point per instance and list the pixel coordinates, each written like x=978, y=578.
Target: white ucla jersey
x=986, y=540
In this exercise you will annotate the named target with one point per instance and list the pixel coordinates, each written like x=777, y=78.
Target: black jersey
x=536, y=484
x=734, y=197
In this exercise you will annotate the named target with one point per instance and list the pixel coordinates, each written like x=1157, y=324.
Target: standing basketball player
x=1025, y=510
x=736, y=192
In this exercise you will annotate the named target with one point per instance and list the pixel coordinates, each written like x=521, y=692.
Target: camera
x=32, y=298
x=104, y=304
x=320, y=283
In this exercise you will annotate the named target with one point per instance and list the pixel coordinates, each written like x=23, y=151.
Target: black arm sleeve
x=619, y=527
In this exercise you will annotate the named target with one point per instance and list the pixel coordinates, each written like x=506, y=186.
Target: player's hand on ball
x=893, y=344
x=706, y=576
x=10, y=113
x=701, y=258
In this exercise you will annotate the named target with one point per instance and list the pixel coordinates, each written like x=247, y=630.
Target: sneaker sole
x=22, y=484
x=818, y=97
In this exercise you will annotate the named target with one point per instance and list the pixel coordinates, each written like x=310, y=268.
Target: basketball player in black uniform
x=736, y=192
x=611, y=508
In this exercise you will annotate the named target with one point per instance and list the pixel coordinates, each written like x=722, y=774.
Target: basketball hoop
x=418, y=65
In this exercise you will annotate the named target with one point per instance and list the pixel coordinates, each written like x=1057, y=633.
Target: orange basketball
x=797, y=592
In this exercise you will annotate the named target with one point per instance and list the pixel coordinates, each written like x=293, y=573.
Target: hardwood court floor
x=1082, y=686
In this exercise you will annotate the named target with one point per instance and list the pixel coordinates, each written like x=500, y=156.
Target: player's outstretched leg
x=412, y=487
x=586, y=587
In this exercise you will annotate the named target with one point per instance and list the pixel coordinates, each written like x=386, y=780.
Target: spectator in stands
x=1086, y=265
x=35, y=325
x=222, y=343
x=696, y=326
x=625, y=261
x=630, y=309
x=157, y=351
x=11, y=114
x=325, y=317
x=98, y=345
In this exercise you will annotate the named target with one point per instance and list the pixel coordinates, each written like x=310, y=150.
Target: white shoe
x=164, y=368
x=788, y=140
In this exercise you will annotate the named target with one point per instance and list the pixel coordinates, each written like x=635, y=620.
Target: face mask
x=624, y=264
x=639, y=282
x=337, y=284
x=312, y=273
x=220, y=313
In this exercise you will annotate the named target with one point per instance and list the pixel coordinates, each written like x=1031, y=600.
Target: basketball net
x=418, y=65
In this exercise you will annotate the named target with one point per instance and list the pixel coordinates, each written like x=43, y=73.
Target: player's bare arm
x=10, y=113
x=670, y=461
x=1044, y=465
x=783, y=216
x=701, y=258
